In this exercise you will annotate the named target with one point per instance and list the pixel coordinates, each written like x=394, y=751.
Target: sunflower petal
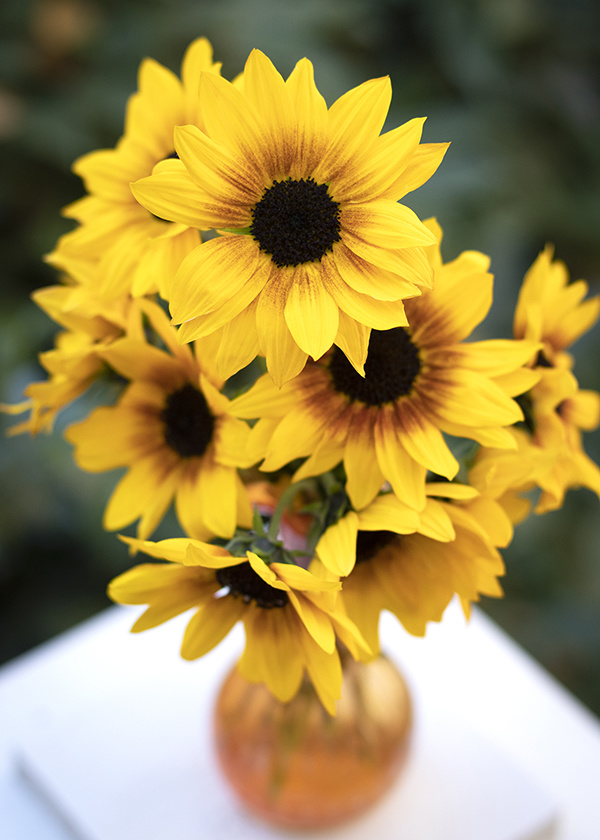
x=209, y=626
x=310, y=312
x=337, y=546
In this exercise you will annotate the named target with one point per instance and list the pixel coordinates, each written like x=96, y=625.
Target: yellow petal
x=388, y=513
x=406, y=476
x=285, y=359
x=372, y=174
x=310, y=312
x=209, y=626
x=422, y=440
x=354, y=122
x=311, y=116
x=353, y=341
x=365, y=477
x=206, y=499
x=266, y=90
x=211, y=275
x=337, y=546
x=425, y=161
x=314, y=620
x=296, y=577
x=227, y=186
x=385, y=224
x=231, y=121
x=380, y=315
x=170, y=193
x=208, y=323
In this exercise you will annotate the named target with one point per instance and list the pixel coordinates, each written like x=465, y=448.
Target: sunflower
x=415, y=575
x=315, y=247
x=173, y=430
x=420, y=381
x=74, y=363
x=552, y=311
x=134, y=250
x=290, y=616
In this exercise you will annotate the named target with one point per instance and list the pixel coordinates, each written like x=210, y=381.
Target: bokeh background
x=515, y=85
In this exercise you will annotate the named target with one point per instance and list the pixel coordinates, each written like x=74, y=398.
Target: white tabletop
x=101, y=738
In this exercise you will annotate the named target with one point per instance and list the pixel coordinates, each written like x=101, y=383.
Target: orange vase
x=294, y=765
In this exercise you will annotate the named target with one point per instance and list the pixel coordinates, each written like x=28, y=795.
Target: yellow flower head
x=75, y=361
x=136, y=251
x=289, y=615
x=415, y=574
x=420, y=381
x=174, y=432
x=315, y=246
x=550, y=455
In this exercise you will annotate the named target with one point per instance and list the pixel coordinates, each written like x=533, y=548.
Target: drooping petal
x=380, y=315
x=388, y=513
x=208, y=323
x=353, y=341
x=337, y=546
x=422, y=439
x=406, y=476
x=206, y=499
x=310, y=312
x=285, y=359
x=170, y=193
x=211, y=275
x=209, y=626
x=365, y=477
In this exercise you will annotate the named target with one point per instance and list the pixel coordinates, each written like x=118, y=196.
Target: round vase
x=294, y=765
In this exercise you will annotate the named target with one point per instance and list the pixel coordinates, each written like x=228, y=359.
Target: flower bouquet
x=292, y=369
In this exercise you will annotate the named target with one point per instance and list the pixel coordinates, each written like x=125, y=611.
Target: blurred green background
x=515, y=85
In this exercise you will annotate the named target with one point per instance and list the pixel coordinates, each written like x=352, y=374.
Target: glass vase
x=294, y=765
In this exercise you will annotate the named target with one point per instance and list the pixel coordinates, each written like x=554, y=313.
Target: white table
x=79, y=742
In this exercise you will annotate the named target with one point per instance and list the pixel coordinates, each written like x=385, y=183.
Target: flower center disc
x=189, y=425
x=392, y=365
x=296, y=222
x=243, y=581
x=370, y=543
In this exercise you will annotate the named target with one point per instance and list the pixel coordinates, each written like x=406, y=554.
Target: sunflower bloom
x=415, y=575
x=289, y=615
x=174, y=432
x=134, y=250
x=315, y=248
x=74, y=362
x=552, y=311
x=420, y=381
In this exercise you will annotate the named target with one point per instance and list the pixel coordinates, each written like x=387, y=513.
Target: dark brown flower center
x=188, y=422
x=370, y=543
x=243, y=582
x=296, y=222
x=393, y=363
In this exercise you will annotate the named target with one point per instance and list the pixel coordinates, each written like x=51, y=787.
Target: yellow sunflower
x=136, y=251
x=420, y=381
x=315, y=246
x=74, y=362
x=553, y=311
x=290, y=616
x=174, y=431
x=415, y=575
